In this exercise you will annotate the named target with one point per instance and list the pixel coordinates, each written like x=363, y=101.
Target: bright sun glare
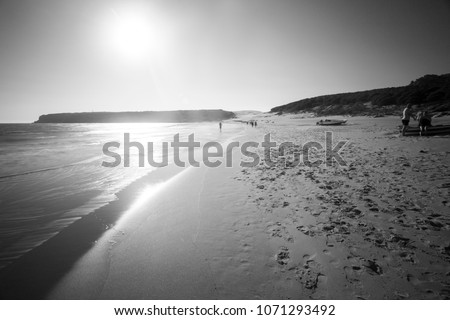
x=132, y=34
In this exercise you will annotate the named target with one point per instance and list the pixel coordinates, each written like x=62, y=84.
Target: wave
x=51, y=168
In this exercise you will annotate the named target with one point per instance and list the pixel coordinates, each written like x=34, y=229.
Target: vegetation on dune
x=430, y=91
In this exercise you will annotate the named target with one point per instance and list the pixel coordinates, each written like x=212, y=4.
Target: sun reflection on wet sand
x=147, y=195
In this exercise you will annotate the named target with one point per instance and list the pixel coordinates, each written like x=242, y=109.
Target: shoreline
x=33, y=275
x=59, y=179
x=170, y=245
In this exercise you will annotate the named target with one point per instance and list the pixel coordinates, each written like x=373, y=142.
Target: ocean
x=52, y=174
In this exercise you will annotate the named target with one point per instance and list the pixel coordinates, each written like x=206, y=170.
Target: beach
x=374, y=227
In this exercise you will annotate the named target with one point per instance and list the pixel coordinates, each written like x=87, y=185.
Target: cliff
x=431, y=91
x=144, y=116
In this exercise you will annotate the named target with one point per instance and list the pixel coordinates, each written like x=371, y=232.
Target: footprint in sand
x=333, y=261
x=413, y=280
x=279, y=231
x=308, y=230
x=310, y=275
x=283, y=256
x=436, y=225
x=333, y=239
x=408, y=256
x=354, y=271
x=372, y=267
x=358, y=266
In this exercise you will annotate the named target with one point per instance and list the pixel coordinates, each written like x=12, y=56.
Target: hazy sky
x=99, y=55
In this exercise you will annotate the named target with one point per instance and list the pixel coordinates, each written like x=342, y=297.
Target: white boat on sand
x=328, y=122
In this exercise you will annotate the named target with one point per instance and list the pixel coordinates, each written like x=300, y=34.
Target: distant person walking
x=407, y=114
x=220, y=126
x=424, y=122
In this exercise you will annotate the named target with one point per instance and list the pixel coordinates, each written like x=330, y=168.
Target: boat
x=431, y=130
x=328, y=122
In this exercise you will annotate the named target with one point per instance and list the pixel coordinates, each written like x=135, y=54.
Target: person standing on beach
x=424, y=122
x=407, y=114
x=220, y=126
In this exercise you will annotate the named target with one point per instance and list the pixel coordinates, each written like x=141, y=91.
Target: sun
x=132, y=34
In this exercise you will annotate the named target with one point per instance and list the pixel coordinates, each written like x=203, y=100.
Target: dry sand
x=377, y=228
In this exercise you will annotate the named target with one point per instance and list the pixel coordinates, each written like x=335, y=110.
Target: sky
x=134, y=55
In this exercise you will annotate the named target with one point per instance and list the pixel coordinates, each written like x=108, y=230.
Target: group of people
x=253, y=123
x=423, y=117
